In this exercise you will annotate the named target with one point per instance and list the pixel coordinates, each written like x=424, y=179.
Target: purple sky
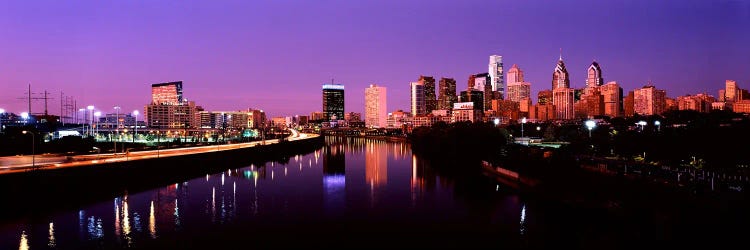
x=275, y=55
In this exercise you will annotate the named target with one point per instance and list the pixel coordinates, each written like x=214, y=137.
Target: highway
x=11, y=164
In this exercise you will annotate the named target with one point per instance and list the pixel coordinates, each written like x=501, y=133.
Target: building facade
x=333, y=102
x=612, y=93
x=649, y=101
x=496, y=75
x=563, y=97
x=417, y=98
x=375, y=107
x=447, y=93
x=430, y=100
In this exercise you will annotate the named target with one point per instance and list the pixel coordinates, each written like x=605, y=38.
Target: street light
x=33, y=148
x=117, y=128
x=497, y=121
x=91, y=123
x=642, y=123
x=658, y=126
x=97, y=114
x=135, y=113
x=523, y=120
x=590, y=124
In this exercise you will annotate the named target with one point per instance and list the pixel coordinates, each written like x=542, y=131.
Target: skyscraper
x=376, y=114
x=447, y=93
x=612, y=93
x=731, y=91
x=496, y=75
x=417, y=98
x=563, y=97
x=594, y=76
x=649, y=100
x=515, y=74
x=169, y=93
x=168, y=108
x=430, y=100
x=333, y=102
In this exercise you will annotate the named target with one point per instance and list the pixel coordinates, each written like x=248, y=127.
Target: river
x=352, y=193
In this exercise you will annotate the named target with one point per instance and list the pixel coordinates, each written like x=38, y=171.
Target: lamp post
x=97, y=114
x=33, y=148
x=590, y=124
x=91, y=122
x=642, y=123
x=658, y=126
x=117, y=128
x=523, y=120
x=135, y=113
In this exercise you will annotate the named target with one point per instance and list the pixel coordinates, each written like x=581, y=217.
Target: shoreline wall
x=40, y=190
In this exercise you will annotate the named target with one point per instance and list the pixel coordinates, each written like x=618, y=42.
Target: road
x=12, y=164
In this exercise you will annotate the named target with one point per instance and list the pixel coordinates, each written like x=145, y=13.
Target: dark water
x=353, y=193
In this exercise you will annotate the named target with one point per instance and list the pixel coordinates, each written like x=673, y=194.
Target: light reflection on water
x=351, y=179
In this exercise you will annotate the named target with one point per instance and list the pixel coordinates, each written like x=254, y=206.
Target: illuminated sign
x=463, y=105
x=333, y=86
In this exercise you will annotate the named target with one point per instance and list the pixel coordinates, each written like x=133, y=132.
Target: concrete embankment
x=34, y=191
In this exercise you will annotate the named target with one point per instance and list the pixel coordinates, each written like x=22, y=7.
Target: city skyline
x=232, y=58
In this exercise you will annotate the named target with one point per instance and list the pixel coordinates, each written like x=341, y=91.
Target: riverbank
x=34, y=191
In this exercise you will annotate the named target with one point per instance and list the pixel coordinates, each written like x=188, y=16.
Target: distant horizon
x=239, y=55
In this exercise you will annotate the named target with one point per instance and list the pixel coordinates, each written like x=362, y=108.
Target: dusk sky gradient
x=274, y=55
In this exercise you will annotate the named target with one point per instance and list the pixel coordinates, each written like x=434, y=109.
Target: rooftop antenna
x=560, y=54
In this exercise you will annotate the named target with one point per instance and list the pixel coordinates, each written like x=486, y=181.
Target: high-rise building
x=496, y=75
x=447, y=93
x=168, y=93
x=417, y=98
x=474, y=96
x=317, y=116
x=649, y=100
x=544, y=97
x=518, y=91
x=430, y=100
x=168, y=109
x=333, y=102
x=731, y=91
x=612, y=93
x=627, y=104
x=563, y=97
x=594, y=76
x=699, y=102
x=515, y=74
x=376, y=114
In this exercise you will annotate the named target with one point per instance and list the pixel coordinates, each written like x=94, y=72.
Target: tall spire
x=560, y=54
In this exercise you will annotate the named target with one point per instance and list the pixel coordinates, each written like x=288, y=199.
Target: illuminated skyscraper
x=731, y=91
x=376, y=114
x=649, y=100
x=496, y=75
x=430, y=100
x=169, y=93
x=417, y=98
x=594, y=76
x=563, y=97
x=333, y=101
x=168, y=109
x=447, y=93
x=515, y=74
x=612, y=93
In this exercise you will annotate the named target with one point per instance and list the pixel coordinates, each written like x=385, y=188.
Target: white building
x=375, y=107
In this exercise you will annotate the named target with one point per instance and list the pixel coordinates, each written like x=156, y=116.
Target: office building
x=417, y=98
x=376, y=114
x=496, y=75
x=333, y=102
x=447, y=93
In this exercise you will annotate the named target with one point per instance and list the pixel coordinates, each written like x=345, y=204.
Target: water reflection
x=24, y=241
x=52, y=242
x=350, y=178
x=334, y=177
